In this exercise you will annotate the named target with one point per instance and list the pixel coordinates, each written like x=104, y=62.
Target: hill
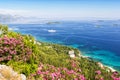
x=46, y=61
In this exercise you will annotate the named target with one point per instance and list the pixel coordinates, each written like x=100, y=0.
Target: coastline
x=112, y=69
x=99, y=63
x=103, y=66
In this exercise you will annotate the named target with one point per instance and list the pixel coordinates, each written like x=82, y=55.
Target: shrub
x=3, y=29
x=14, y=48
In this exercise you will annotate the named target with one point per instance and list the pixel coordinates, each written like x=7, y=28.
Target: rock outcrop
x=7, y=73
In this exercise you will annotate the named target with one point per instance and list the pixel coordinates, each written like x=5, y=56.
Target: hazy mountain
x=15, y=19
x=7, y=18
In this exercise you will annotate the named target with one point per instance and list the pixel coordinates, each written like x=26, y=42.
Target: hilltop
x=46, y=61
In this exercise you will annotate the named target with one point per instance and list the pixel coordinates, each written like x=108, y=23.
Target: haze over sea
x=98, y=39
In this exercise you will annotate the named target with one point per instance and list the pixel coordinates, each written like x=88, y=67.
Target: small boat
x=52, y=31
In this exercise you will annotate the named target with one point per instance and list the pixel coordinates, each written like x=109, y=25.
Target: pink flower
x=101, y=79
x=98, y=72
x=71, y=72
x=39, y=72
x=79, y=70
x=82, y=77
x=53, y=75
x=76, y=79
x=9, y=57
x=114, y=76
x=73, y=64
x=115, y=73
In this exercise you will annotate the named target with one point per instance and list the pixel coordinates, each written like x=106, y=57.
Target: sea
x=98, y=40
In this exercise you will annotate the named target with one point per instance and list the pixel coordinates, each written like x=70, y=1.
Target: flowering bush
x=13, y=48
x=50, y=72
x=115, y=76
x=98, y=76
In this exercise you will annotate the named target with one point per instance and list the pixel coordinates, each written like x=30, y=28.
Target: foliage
x=23, y=67
x=54, y=73
x=3, y=29
x=14, y=48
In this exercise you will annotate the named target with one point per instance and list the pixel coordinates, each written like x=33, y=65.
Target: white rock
x=38, y=43
x=35, y=42
x=71, y=54
x=8, y=71
x=1, y=32
x=23, y=77
x=100, y=65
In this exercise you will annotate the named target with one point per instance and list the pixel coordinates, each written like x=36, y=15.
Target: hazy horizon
x=62, y=9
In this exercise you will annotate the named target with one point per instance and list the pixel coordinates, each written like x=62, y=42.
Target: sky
x=68, y=9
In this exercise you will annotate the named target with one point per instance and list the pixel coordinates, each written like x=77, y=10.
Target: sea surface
x=98, y=39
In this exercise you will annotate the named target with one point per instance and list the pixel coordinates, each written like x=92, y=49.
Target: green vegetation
x=46, y=61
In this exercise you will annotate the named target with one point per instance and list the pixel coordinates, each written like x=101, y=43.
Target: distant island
x=56, y=22
x=22, y=57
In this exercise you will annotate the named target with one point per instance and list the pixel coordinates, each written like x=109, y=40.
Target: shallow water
x=101, y=42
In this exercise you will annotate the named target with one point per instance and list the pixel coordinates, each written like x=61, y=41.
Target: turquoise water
x=100, y=41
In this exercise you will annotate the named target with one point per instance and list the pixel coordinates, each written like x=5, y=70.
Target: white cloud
x=14, y=12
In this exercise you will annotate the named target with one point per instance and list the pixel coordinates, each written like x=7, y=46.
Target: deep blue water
x=101, y=41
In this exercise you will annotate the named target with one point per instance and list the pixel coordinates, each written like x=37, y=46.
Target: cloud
x=14, y=12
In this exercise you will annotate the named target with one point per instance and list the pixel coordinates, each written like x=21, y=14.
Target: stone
x=7, y=73
x=23, y=76
x=71, y=54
